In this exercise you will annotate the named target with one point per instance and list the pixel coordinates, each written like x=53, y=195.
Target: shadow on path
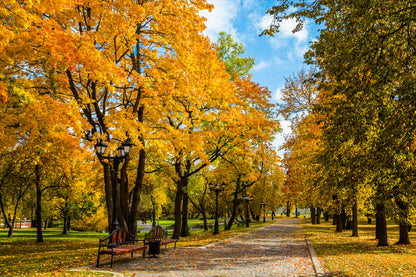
x=278, y=249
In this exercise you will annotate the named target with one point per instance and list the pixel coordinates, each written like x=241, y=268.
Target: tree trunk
x=404, y=234
x=287, y=209
x=65, y=230
x=344, y=218
x=235, y=204
x=178, y=202
x=10, y=232
x=318, y=215
x=138, y=186
x=65, y=215
x=355, y=219
x=326, y=215
x=338, y=220
x=312, y=215
x=108, y=186
x=123, y=203
x=404, y=225
x=204, y=219
x=38, y=205
x=7, y=220
x=184, y=226
x=381, y=225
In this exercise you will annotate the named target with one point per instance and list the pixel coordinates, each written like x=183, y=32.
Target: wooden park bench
x=119, y=242
x=157, y=237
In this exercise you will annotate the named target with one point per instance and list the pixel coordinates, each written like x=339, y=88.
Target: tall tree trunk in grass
x=178, y=202
x=288, y=208
x=404, y=224
x=381, y=225
x=184, y=226
x=312, y=215
x=318, y=215
x=404, y=234
x=38, y=204
x=338, y=221
x=235, y=203
x=355, y=219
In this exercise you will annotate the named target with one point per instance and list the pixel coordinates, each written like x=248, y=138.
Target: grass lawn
x=343, y=255
x=23, y=256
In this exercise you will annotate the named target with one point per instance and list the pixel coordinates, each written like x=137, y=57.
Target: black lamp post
x=247, y=198
x=217, y=189
x=122, y=153
x=263, y=205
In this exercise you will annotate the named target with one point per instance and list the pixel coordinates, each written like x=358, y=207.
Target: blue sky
x=276, y=57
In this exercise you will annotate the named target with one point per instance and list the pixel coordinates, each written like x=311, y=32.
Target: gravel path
x=279, y=249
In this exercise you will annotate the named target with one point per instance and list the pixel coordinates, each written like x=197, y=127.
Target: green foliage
x=231, y=53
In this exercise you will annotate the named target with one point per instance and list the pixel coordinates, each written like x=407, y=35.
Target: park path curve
x=279, y=249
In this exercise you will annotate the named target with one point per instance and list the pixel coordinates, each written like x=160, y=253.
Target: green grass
x=23, y=256
x=344, y=255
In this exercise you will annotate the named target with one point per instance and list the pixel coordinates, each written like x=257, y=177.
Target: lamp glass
x=100, y=147
x=127, y=146
x=120, y=151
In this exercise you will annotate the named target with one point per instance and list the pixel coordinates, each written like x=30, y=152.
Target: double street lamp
x=122, y=154
x=216, y=188
x=263, y=205
x=247, y=199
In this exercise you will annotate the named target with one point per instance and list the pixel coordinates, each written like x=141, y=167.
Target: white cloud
x=278, y=94
x=286, y=30
x=280, y=138
x=285, y=36
x=262, y=65
x=264, y=22
x=220, y=19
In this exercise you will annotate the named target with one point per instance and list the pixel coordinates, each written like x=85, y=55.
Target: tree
x=364, y=54
x=231, y=53
x=111, y=56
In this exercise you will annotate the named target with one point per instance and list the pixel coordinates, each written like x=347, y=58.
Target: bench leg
x=112, y=255
x=98, y=260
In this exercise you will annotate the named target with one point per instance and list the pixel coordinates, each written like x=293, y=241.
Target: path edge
x=315, y=262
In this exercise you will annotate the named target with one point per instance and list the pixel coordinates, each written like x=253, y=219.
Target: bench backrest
x=117, y=237
x=157, y=233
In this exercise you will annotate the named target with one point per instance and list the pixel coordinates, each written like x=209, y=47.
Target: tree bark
x=355, y=219
x=184, y=226
x=338, y=220
x=204, y=219
x=138, y=185
x=288, y=209
x=178, y=202
x=39, y=234
x=404, y=234
x=318, y=215
x=108, y=186
x=404, y=225
x=381, y=225
x=312, y=215
x=235, y=204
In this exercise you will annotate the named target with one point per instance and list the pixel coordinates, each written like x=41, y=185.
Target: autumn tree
x=364, y=54
x=109, y=56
